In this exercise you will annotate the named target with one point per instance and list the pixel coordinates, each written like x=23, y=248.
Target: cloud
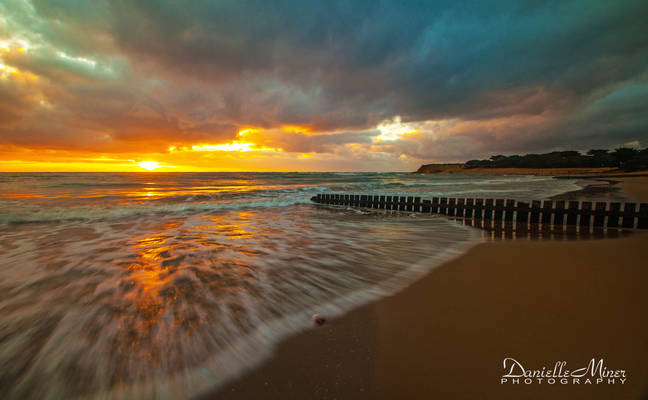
x=472, y=78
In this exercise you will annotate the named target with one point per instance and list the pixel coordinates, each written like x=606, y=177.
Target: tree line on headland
x=624, y=158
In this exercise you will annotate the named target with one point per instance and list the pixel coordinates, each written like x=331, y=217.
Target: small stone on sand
x=318, y=319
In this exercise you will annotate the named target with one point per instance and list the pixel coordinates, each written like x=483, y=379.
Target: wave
x=98, y=213
x=192, y=193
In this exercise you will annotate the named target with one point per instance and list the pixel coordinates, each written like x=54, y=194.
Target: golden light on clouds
x=244, y=132
x=244, y=144
x=9, y=72
x=394, y=129
x=6, y=70
x=15, y=44
x=296, y=128
x=7, y=48
x=234, y=146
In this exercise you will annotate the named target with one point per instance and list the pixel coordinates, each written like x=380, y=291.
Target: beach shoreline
x=447, y=334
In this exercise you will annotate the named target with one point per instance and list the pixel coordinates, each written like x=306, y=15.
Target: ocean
x=165, y=285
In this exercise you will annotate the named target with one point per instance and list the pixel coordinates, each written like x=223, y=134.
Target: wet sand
x=636, y=188
x=447, y=334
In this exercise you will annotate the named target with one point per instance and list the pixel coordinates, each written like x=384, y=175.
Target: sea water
x=164, y=285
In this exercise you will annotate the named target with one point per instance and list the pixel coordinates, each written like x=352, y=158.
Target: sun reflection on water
x=121, y=303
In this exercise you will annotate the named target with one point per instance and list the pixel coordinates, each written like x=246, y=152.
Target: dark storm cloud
x=202, y=68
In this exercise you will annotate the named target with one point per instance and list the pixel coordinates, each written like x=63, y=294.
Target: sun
x=149, y=165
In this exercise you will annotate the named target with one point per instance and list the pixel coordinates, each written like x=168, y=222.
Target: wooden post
x=479, y=206
x=572, y=213
x=535, y=212
x=460, y=207
x=522, y=215
x=469, y=208
x=499, y=210
x=426, y=206
x=434, y=209
x=488, y=210
x=559, y=213
x=510, y=207
x=599, y=214
x=417, y=204
x=401, y=203
x=628, y=215
x=642, y=221
x=547, y=210
x=613, y=215
x=585, y=214
x=451, y=206
x=443, y=205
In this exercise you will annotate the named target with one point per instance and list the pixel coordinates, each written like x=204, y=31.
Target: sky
x=116, y=85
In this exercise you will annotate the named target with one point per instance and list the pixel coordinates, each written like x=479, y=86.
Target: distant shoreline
x=560, y=173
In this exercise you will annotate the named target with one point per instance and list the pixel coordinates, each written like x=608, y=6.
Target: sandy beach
x=446, y=335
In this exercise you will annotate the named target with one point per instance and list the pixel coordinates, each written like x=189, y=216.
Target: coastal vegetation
x=624, y=159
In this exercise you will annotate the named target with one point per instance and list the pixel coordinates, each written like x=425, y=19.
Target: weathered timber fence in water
x=546, y=213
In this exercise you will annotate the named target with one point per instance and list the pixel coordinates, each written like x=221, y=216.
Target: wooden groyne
x=545, y=213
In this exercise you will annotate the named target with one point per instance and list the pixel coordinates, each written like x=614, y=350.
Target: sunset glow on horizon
x=149, y=165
